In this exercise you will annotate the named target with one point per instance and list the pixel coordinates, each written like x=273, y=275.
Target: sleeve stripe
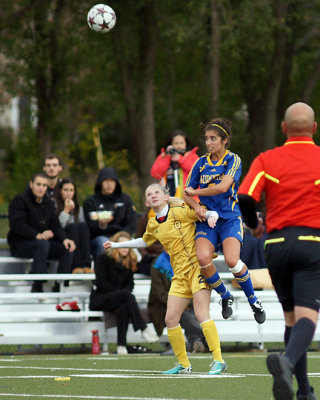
x=255, y=182
x=235, y=166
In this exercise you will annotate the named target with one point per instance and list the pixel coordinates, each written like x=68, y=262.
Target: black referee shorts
x=293, y=258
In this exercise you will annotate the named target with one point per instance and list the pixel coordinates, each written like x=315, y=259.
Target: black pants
x=125, y=306
x=79, y=233
x=41, y=251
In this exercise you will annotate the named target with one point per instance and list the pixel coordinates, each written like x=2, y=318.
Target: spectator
x=35, y=230
x=72, y=220
x=174, y=163
x=52, y=167
x=108, y=210
x=161, y=275
x=113, y=291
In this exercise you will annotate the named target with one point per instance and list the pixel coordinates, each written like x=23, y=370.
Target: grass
x=138, y=377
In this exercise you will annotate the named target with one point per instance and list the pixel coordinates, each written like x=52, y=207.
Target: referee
x=290, y=177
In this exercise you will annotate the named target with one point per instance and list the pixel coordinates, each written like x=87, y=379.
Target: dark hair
x=51, y=156
x=222, y=126
x=60, y=202
x=189, y=145
x=38, y=174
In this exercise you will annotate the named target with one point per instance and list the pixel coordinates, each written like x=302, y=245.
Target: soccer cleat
x=227, y=306
x=309, y=396
x=259, y=313
x=217, y=367
x=282, y=372
x=178, y=369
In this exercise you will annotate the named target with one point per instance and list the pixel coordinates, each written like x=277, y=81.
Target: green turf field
x=137, y=377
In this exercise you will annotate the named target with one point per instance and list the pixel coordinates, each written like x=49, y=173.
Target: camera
x=172, y=150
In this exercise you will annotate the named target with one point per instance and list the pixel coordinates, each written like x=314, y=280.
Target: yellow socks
x=211, y=334
x=178, y=344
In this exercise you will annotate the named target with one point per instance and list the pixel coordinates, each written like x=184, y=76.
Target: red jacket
x=162, y=164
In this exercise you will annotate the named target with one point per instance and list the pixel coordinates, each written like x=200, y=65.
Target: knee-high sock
x=217, y=284
x=178, y=345
x=300, y=369
x=246, y=285
x=211, y=334
x=300, y=338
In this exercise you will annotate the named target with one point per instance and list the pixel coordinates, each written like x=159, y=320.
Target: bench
x=26, y=318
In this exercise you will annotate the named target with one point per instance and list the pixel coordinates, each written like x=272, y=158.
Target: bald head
x=299, y=120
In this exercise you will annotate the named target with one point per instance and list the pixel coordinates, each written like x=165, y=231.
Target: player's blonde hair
x=172, y=200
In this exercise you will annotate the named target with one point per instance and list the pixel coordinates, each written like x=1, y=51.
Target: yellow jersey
x=177, y=235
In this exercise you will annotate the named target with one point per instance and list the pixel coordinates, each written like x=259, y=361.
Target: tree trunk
x=214, y=56
x=273, y=86
x=146, y=139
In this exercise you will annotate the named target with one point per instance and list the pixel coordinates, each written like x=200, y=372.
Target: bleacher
x=32, y=318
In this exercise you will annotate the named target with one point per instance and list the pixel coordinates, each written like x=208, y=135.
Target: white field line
x=77, y=397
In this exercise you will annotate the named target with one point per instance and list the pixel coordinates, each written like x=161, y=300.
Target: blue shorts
x=224, y=228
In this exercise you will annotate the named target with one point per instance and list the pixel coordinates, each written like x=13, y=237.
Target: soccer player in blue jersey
x=215, y=179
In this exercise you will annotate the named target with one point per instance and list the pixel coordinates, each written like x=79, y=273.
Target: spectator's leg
x=96, y=245
x=122, y=324
x=57, y=251
x=191, y=327
x=38, y=250
x=73, y=234
x=84, y=244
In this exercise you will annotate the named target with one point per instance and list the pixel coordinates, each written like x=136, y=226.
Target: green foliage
x=22, y=162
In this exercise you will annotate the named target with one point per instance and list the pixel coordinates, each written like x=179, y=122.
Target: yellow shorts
x=188, y=284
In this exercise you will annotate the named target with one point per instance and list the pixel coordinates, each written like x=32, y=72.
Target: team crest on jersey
x=177, y=224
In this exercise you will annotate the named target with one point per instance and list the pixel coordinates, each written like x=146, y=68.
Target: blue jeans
x=96, y=245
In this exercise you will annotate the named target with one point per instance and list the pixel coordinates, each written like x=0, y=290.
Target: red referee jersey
x=290, y=177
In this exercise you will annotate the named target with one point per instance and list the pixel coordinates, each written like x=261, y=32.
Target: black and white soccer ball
x=101, y=18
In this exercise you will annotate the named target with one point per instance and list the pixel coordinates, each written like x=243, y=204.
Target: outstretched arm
x=133, y=244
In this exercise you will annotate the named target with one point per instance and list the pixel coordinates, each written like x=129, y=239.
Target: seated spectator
x=35, y=230
x=113, y=291
x=252, y=251
x=52, y=167
x=108, y=210
x=161, y=275
x=72, y=220
x=148, y=254
x=174, y=163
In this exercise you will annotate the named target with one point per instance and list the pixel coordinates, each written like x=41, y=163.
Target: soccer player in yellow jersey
x=174, y=227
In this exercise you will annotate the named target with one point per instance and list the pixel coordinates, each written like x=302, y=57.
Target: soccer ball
x=101, y=18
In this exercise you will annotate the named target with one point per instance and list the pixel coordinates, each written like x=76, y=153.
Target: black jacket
x=27, y=218
x=110, y=277
x=124, y=215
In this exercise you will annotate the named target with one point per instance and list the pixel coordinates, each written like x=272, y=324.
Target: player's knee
x=236, y=266
x=171, y=320
x=204, y=259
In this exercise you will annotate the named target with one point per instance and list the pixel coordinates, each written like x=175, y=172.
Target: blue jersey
x=206, y=173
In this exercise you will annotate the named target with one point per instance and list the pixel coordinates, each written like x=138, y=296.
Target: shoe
x=36, y=287
x=88, y=270
x=77, y=271
x=149, y=336
x=310, y=396
x=217, y=367
x=178, y=369
x=282, y=371
x=259, y=313
x=122, y=350
x=227, y=307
